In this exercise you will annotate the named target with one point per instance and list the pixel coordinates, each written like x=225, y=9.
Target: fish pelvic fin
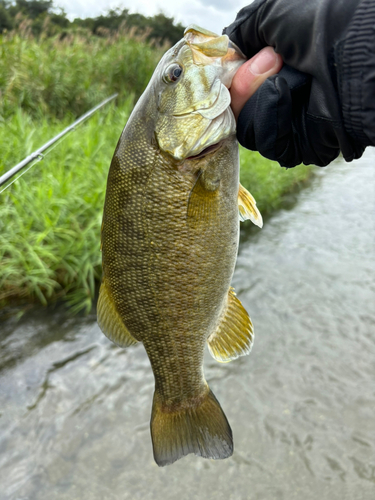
x=234, y=334
x=199, y=426
x=248, y=208
x=110, y=321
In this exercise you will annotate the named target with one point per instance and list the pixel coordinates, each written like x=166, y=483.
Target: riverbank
x=50, y=218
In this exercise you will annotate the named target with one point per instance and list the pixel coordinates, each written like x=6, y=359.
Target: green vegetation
x=50, y=218
x=55, y=77
x=41, y=17
x=267, y=182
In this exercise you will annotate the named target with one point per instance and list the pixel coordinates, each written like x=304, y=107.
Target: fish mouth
x=206, y=151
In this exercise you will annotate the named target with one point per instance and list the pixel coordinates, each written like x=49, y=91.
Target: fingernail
x=263, y=61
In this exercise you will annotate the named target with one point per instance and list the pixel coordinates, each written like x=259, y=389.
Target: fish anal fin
x=202, y=204
x=234, y=335
x=248, y=208
x=110, y=321
x=200, y=427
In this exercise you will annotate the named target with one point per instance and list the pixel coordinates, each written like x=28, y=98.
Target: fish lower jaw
x=220, y=129
x=210, y=149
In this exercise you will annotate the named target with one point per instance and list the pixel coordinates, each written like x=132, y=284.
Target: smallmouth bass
x=170, y=239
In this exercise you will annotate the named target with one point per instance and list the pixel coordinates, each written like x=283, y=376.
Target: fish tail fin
x=200, y=427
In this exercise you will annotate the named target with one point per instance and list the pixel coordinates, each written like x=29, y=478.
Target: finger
x=251, y=75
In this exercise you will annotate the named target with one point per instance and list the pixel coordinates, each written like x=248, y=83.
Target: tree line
x=42, y=16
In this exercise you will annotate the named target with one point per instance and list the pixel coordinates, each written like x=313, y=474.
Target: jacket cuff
x=355, y=58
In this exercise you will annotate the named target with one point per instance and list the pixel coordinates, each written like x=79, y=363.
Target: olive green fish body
x=169, y=243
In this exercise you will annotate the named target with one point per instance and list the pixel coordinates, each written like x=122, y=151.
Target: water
x=75, y=409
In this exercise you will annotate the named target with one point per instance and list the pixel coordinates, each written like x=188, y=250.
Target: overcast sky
x=211, y=14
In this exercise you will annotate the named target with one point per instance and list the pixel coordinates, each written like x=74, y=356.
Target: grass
x=268, y=182
x=50, y=218
x=56, y=77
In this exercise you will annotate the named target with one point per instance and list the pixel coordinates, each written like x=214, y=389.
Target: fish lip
x=208, y=150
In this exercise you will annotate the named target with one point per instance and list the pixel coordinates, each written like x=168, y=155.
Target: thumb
x=251, y=75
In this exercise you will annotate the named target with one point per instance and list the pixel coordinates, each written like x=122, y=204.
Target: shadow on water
x=26, y=335
x=75, y=409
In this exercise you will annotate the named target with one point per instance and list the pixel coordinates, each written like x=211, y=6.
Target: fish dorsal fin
x=110, y=321
x=234, y=334
x=202, y=204
x=248, y=208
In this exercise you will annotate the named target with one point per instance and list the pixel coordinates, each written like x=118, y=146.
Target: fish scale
x=169, y=242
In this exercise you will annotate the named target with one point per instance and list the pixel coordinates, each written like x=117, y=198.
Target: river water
x=75, y=409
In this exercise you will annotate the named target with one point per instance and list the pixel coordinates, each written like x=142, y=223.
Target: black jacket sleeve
x=323, y=100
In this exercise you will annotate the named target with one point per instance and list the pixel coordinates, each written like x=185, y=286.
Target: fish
x=169, y=241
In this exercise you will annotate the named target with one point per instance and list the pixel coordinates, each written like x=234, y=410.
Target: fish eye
x=173, y=73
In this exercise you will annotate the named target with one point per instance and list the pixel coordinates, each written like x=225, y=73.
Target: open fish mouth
x=206, y=151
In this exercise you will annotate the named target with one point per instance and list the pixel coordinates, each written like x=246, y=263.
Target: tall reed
x=54, y=76
x=50, y=218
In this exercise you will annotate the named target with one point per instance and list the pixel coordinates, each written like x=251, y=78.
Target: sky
x=210, y=14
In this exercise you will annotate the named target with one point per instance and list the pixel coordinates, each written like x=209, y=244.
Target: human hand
x=298, y=115
x=251, y=75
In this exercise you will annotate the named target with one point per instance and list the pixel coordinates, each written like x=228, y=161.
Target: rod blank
x=38, y=153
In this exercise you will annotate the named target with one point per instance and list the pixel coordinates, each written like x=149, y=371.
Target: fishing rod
x=38, y=154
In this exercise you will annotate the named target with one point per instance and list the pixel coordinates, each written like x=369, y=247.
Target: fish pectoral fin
x=203, y=201
x=234, y=335
x=248, y=208
x=110, y=321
